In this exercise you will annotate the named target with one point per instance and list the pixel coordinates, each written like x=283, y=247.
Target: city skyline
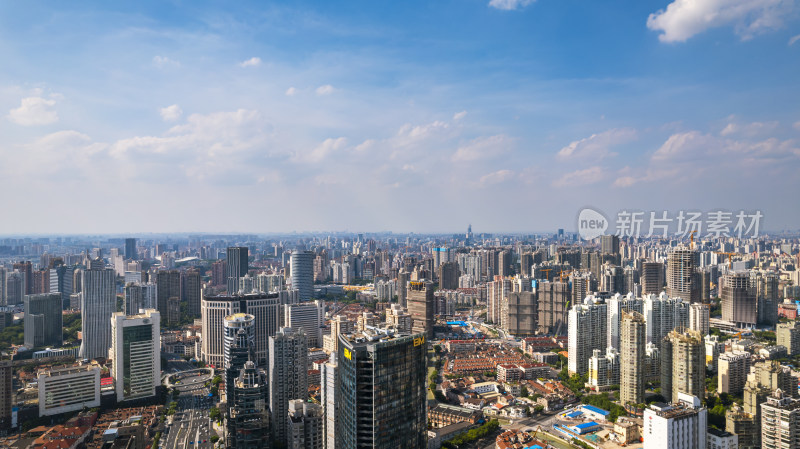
x=351, y=115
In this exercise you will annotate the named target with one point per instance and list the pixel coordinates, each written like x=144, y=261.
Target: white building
x=780, y=421
x=213, y=310
x=69, y=389
x=136, y=354
x=699, y=318
x=309, y=316
x=616, y=305
x=719, y=439
x=587, y=332
x=679, y=426
x=662, y=314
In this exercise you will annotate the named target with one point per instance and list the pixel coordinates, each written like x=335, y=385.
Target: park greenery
x=472, y=435
x=602, y=401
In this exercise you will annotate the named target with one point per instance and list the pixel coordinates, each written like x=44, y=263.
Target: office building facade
x=136, y=354
x=43, y=320
x=288, y=376
x=98, y=303
x=302, y=271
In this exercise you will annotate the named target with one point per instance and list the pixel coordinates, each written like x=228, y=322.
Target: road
x=191, y=426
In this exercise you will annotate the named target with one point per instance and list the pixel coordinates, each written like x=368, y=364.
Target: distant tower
x=43, y=320
x=168, y=285
x=609, y=244
x=237, y=266
x=302, y=264
x=682, y=276
x=738, y=298
x=652, y=278
x=130, y=249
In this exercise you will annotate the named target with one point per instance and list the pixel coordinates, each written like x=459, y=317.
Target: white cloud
x=327, y=89
x=290, y=92
x=597, y=146
x=509, y=5
x=34, y=111
x=581, y=177
x=459, y=115
x=365, y=145
x=496, y=177
x=683, y=19
x=252, y=62
x=163, y=62
x=748, y=129
x=794, y=39
x=171, y=113
x=796, y=125
x=321, y=151
x=682, y=145
x=482, y=148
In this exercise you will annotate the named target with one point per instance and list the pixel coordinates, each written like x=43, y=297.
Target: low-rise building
x=445, y=414
x=68, y=389
x=720, y=439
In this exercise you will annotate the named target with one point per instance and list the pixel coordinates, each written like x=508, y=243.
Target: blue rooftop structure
x=594, y=409
x=588, y=427
x=574, y=414
x=456, y=323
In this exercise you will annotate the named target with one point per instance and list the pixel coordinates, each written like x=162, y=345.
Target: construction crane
x=561, y=274
x=691, y=239
x=730, y=258
x=547, y=272
x=535, y=432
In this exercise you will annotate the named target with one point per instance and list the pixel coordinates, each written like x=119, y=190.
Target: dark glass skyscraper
x=381, y=393
x=130, y=249
x=237, y=267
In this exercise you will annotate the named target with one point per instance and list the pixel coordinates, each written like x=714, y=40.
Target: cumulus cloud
x=326, y=89
x=321, y=151
x=496, y=177
x=34, y=111
x=252, y=62
x=581, y=177
x=171, y=113
x=597, y=146
x=794, y=39
x=163, y=62
x=67, y=152
x=683, y=19
x=459, y=115
x=683, y=145
x=482, y=148
x=509, y=5
x=290, y=92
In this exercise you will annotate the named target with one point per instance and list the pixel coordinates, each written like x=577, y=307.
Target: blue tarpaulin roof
x=595, y=409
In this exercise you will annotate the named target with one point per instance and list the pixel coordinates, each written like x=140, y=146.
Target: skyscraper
x=288, y=376
x=191, y=292
x=248, y=419
x=98, y=303
x=329, y=380
x=214, y=309
x=309, y=316
x=168, y=285
x=631, y=358
x=682, y=276
x=402, y=287
x=739, y=300
x=239, y=340
x=519, y=314
x=699, y=318
x=130, y=249
x=420, y=306
x=136, y=354
x=652, y=278
x=609, y=244
x=43, y=321
x=237, y=266
x=683, y=364
x=553, y=299
x=302, y=271
x=678, y=426
x=6, y=393
x=617, y=305
x=663, y=314
x=587, y=332
x=448, y=276
x=381, y=397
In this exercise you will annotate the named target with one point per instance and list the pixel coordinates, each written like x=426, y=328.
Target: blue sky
x=404, y=116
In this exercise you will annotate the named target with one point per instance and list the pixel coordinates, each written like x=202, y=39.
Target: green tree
x=214, y=413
